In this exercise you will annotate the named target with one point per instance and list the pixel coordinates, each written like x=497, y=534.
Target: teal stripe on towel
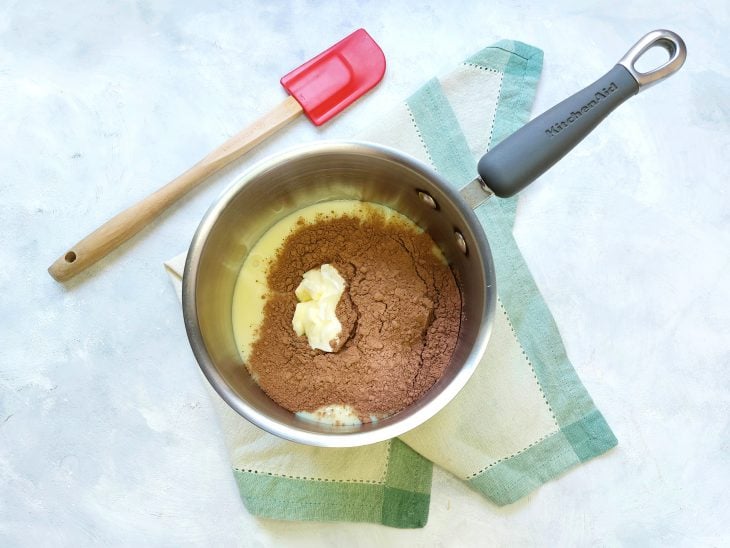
x=590, y=436
x=584, y=433
x=532, y=321
x=522, y=65
x=511, y=479
x=442, y=134
x=401, y=501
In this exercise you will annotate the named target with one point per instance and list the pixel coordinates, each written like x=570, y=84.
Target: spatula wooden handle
x=126, y=224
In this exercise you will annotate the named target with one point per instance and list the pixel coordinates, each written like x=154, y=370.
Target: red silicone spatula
x=320, y=88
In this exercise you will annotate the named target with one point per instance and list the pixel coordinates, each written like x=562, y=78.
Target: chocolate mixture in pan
x=400, y=314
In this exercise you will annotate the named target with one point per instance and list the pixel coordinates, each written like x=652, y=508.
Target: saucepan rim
x=301, y=435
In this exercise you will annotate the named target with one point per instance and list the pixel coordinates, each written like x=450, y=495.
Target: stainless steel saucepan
x=353, y=170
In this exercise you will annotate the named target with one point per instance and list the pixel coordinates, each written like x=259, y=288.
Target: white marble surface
x=106, y=435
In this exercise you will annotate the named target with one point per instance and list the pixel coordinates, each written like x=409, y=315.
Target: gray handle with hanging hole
x=530, y=151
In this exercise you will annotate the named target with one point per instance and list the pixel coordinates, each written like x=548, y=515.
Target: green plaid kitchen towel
x=522, y=419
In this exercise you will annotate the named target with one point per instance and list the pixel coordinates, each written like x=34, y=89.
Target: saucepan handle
x=526, y=154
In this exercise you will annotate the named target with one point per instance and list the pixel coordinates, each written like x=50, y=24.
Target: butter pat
x=318, y=295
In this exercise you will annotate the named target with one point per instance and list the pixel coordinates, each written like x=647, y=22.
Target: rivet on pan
x=428, y=200
x=460, y=242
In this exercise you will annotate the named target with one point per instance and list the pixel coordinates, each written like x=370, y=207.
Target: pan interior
x=275, y=190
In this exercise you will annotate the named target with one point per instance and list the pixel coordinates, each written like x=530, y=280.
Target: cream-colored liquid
x=249, y=295
x=332, y=414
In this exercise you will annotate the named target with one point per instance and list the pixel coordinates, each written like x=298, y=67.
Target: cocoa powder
x=400, y=315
